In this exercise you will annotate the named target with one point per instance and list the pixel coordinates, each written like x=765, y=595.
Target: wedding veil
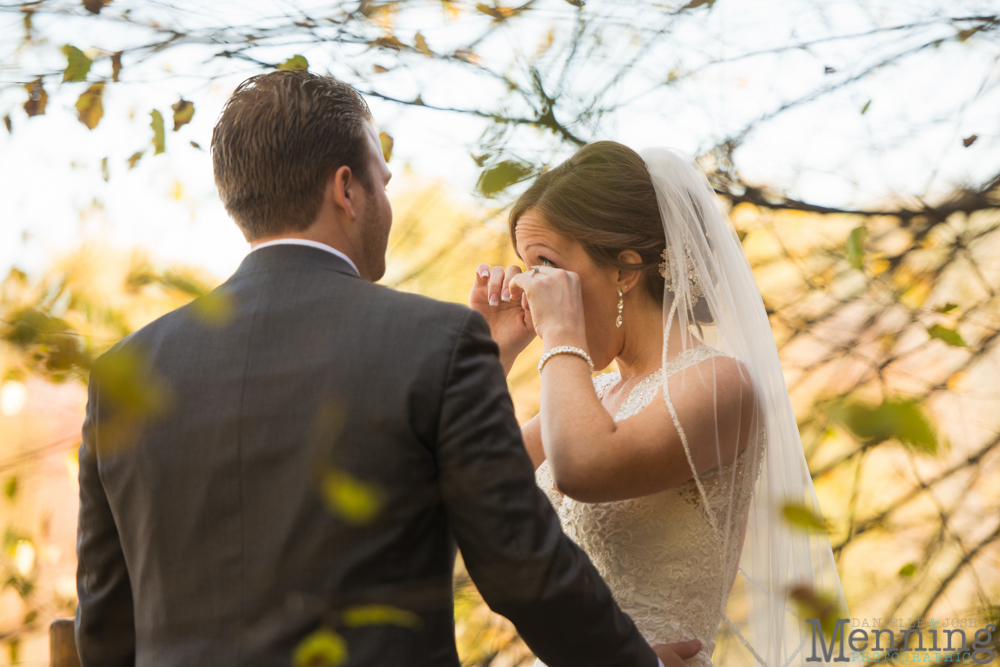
x=781, y=563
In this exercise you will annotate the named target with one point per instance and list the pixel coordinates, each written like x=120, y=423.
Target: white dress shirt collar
x=311, y=244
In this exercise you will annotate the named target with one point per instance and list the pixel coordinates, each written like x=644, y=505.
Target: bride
x=672, y=471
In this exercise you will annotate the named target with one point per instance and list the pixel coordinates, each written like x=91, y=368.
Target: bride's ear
x=627, y=280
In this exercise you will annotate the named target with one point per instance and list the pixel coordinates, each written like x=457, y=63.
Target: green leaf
x=295, y=63
x=183, y=113
x=865, y=107
x=323, y=648
x=90, y=107
x=37, y=98
x=351, y=499
x=950, y=336
x=77, y=64
x=801, y=517
x=818, y=605
x=946, y=308
x=380, y=614
x=501, y=176
x=908, y=570
x=854, y=248
x=387, y=143
x=159, y=140
x=893, y=419
x=10, y=488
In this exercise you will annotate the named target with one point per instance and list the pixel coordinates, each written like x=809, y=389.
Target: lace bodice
x=665, y=565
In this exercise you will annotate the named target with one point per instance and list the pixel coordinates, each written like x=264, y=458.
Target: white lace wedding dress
x=659, y=555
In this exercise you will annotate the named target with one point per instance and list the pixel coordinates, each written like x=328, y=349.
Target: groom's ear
x=341, y=189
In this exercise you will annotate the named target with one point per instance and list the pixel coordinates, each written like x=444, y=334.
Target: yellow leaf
x=134, y=160
x=323, y=648
x=90, y=107
x=381, y=614
x=159, y=139
x=802, y=517
x=351, y=499
x=421, y=43
x=387, y=143
x=295, y=63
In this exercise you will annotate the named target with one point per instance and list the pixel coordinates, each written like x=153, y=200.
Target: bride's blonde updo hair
x=603, y=199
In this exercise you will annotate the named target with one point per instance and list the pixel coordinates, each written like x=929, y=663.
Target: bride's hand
x=554, y=302
x=509, y=325
x=674, y=655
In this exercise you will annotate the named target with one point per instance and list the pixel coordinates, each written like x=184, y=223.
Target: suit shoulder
x=426, y=309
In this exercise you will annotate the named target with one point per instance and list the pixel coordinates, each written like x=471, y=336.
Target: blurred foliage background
x=883, y=300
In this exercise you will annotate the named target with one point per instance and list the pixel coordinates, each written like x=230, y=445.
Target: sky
x=888, y=134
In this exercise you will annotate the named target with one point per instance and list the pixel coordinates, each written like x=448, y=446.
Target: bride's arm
x=595, y=459
x=531, y=433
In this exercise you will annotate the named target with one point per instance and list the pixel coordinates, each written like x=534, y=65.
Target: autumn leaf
x=134, y=159
x=500, y=176
x=380, y=614
x=468, y=55
x=386, y=142
x=698, y=3
x=946, y=308
x=908, y=570
x=37, y=98
x=421, y=45
x=950, y=336
x=90, y=107
x=813, y=604
x=349, y=498
x=159, y=140
x=499, y=12
x=854, y=248
x=379, y=69
x=892, y=419
x=95, y=6
x=388, y=42
x=116, y=65
x=968, y=141
x=802, y=517
x=576, y=3
x=865, y=107
x=105, y=174
x=295, y=63
x=6, y=122
x=77, y=64
x=323, y=648
x=183, y=113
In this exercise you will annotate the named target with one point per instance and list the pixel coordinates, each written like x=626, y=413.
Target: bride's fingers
x=496, y=285
x=505, y=293
x=482, y=275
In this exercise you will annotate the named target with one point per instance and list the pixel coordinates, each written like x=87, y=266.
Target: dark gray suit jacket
x=207, y=542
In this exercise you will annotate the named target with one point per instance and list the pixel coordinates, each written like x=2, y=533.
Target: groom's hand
x=674, y=655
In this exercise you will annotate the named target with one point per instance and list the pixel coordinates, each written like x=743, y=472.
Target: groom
x=328, y=445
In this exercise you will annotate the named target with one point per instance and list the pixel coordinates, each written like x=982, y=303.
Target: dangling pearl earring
x=621, y=304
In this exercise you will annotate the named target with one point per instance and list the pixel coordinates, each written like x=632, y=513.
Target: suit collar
x=288, y=256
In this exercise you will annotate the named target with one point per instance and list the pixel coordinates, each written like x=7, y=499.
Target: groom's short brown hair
x=278, y=139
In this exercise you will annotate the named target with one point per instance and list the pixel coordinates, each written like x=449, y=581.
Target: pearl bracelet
x=565, y=349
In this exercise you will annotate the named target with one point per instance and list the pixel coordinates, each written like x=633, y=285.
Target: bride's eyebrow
x=538, y=244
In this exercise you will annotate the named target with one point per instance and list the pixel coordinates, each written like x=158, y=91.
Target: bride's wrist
x=564, y=338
